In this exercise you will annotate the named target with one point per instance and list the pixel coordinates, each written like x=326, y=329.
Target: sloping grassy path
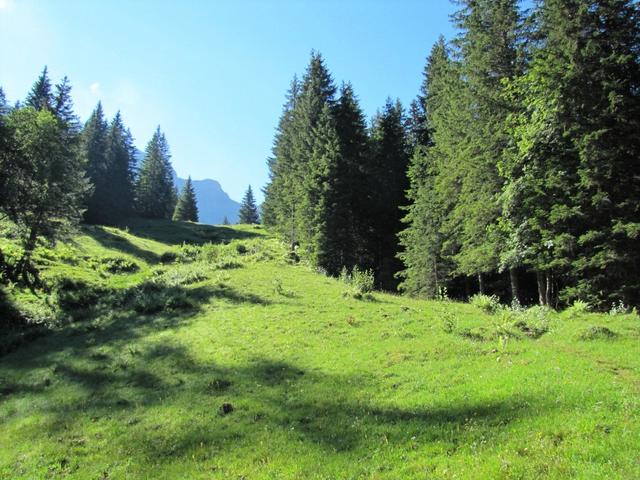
x=319, y=385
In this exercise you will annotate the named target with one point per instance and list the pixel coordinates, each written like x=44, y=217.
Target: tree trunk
x=541, y=288
x=549, y=289
x=513, y=278
x=481, y=283
x=467, y=287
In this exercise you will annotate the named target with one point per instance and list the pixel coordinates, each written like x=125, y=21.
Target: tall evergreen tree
x=488, y=49
x=62, y=105
x=434, y=184
x=155, y=191
x=187, y=207
x=93, y=151
x=40, y=97
x=351, y=202
x=120, y=169
x=248, y=208
x=388, y=184
x=5, y=145
x=278, y=206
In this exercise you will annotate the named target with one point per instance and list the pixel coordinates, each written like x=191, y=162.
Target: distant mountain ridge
x=213, y=202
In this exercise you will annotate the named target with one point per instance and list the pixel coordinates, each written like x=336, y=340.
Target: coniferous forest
x=515, y=172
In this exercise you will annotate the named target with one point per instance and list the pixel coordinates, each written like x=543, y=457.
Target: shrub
x=153, y=297
x=241, y=248
x=168, y=257
x=449, y=323
x=184, y=275
x=361, y=283
x=73, y=294
x=362, y=280
x=118, y=265
x=486, y=303
x=578, y=308
x=597, y=333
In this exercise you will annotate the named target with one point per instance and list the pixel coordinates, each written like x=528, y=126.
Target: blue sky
x=213, y=74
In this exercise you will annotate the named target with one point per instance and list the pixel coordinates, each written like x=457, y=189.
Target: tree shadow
x=326, y=411
x=177, y=233
x=117, y=242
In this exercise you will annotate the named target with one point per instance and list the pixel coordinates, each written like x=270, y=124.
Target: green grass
x=321, y=385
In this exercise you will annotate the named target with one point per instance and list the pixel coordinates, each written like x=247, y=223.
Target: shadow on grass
x=116, y=242
x=177, y=233
x=273, y=398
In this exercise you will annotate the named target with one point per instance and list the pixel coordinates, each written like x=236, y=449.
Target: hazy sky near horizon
x=213, y=74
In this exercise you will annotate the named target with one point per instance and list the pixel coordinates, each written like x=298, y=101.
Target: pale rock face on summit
x=213, y=202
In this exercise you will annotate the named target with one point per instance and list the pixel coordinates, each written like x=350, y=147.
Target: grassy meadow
x=174, y=350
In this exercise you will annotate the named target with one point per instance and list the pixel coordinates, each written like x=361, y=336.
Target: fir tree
x=225, y=221
x=433, y=184
x=63, y=107
x=488, y=47
x=248, y=209
x=40, y=97
x=155, y=191
x=119, y=172
x=351, y=202
x=93, y=151
x=388, y=183
x=277, y=207
x=187, y=207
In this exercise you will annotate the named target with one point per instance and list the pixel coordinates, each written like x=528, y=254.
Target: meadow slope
x=227, y=360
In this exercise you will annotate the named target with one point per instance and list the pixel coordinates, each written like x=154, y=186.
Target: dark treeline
x=336, y=182
x=54, y=172
x=515, y=172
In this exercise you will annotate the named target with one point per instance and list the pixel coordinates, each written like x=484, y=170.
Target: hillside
x=187, y=351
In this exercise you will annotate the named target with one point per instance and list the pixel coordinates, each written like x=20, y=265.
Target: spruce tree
x=278, y=205
x=248, y=209
x=433, y=183
x=187, y=207
x=120, y=170
x=40, y=97
x=93, y=151
x=62, y=105
x=351, y=202
x=388, y=184
x=155, y=191
x=488, y=49
x=225, y=221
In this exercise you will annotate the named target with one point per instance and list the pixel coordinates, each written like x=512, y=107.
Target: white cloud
x=94, y=87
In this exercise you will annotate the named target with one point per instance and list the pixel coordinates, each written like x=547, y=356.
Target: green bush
x=118, y=265
x=168, y=257
x=184, y=274
x=578, y=308
x=486, y=303
x=153, y=297
x=74, y=294
x=597, y=333
x=361, y=283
